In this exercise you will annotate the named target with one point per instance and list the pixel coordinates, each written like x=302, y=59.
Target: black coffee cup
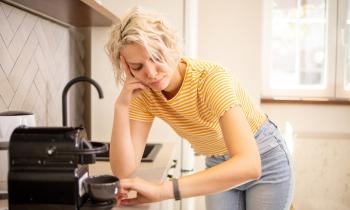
x=102, y=188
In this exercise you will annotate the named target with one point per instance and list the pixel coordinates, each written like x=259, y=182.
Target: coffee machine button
x=51, y=150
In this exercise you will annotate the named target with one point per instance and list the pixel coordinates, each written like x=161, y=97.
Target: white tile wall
x=37, y=58
x=322, y=173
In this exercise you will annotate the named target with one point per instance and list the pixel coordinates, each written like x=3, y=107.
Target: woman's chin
x=158, y=87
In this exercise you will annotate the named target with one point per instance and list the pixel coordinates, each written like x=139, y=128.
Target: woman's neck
x=177, y=81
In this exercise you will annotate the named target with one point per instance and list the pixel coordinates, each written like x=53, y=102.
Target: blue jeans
x=273, y=190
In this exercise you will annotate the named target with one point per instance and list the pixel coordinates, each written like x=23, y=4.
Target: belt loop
x=268, y=118
x=273, y=123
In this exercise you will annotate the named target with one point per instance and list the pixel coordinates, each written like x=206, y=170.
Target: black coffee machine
x=47, y=169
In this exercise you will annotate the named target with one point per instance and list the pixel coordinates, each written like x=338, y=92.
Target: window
x=306, y=48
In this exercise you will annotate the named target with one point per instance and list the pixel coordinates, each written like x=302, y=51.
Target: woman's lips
x=156, y=82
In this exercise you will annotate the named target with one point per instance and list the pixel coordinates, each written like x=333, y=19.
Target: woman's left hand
x=146, y=192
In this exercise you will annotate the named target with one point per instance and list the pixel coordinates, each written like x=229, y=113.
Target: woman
x=247, y=162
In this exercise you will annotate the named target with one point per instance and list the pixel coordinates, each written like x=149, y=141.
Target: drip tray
x=150, y=153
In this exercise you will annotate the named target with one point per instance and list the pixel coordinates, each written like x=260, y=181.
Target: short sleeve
x=139, y=110
x=217, y=91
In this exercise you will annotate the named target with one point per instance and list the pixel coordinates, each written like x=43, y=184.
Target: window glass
x=284, y=9
x=298, y=44
x=312, y=54
x=312, y=8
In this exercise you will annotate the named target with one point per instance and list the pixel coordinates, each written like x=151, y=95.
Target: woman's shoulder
x=202, y=68
x=148, y=96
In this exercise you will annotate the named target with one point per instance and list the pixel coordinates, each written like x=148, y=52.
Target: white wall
x=101, y=71
x=229, y=33
x=170, y=9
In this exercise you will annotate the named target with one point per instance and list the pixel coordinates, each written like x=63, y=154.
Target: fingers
x=129, y=186
x=134, y=84
x=124, y=200
x=126, y=68
x=125, y=185
x=146, y=192
x=131, y=89
x=120, y=197
x=130, y=79
x=130, y=202
x=135, y=87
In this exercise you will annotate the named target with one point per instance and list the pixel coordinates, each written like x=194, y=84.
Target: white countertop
x=155, y=171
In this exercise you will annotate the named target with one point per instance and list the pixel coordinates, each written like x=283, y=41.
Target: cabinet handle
x=172, y=169
x=174, y=164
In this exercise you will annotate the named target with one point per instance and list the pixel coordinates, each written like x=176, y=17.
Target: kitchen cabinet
x=76, y=13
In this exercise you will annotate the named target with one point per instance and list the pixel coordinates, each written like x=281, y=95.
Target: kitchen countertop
x=155, y=171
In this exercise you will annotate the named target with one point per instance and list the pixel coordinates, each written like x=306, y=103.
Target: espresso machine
x=47, y=169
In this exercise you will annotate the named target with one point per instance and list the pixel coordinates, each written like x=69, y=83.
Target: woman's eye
x=135, y=68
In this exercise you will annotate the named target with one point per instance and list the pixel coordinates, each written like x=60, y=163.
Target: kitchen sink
x=150, y=153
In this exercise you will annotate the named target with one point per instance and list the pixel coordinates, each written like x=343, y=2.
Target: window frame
x=340, y=89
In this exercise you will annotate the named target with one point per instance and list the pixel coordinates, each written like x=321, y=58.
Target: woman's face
x=156, y=75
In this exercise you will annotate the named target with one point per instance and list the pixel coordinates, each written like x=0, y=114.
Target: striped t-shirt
x=206, y=93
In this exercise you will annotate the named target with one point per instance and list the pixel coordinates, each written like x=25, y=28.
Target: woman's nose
x=151, y=72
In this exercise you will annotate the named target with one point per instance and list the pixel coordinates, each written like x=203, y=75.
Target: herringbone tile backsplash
x=37, y=58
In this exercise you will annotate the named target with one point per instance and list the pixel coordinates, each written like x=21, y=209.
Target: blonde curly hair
x=137, y=26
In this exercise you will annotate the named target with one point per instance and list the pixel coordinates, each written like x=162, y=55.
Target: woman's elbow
x=256, y=170
x=256, y=174
x=122, y=172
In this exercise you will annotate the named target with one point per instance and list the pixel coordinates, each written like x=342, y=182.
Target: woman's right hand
x=132, y=86
x=146, y=192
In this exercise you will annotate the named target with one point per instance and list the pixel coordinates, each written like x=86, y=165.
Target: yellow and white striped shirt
x=206, y=93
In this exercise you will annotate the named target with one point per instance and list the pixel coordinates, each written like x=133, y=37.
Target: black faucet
x=66, y=88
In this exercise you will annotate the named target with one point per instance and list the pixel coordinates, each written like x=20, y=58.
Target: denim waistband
x=268, y=136
x=267, y=124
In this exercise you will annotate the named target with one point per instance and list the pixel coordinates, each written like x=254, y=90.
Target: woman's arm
x=243, y=166
x=128, y=136
x=128, y=142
